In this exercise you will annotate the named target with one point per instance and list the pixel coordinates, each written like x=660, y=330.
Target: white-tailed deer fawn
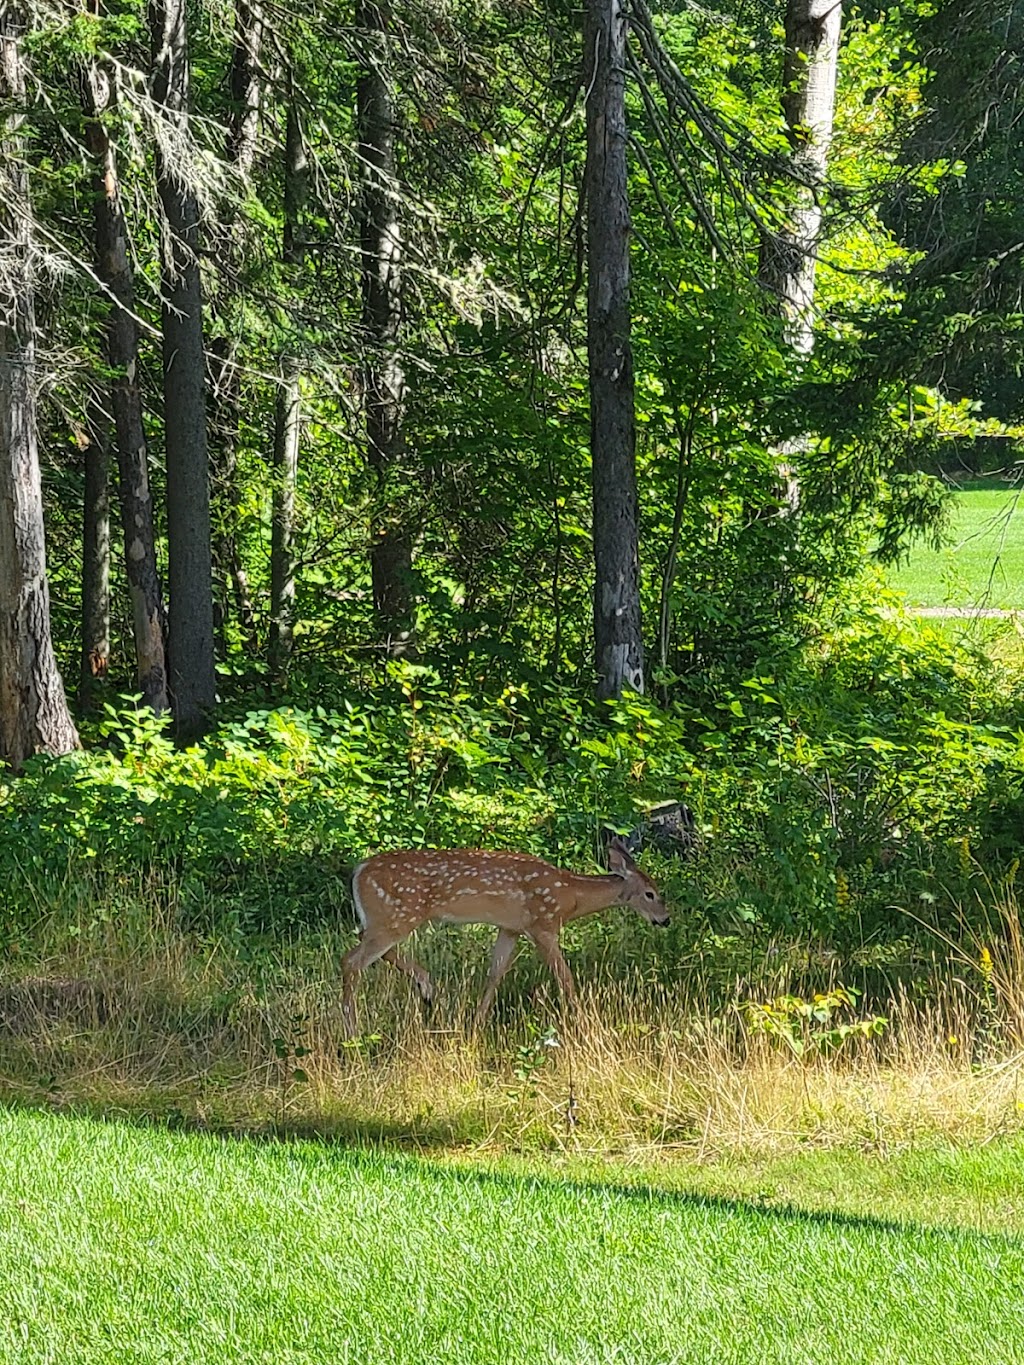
x=394, y=893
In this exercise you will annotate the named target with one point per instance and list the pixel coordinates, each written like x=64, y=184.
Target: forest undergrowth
x=844, y=964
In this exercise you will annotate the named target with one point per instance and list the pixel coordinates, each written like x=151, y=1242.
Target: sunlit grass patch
x=137, y=1244
x=982, y=565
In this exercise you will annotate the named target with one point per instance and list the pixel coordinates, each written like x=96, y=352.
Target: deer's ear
x=618, y=859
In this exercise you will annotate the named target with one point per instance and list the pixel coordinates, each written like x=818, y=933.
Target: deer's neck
x=594, y=894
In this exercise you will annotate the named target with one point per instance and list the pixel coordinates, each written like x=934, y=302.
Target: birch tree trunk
x=190, y=574
x=122, y=343
x=288, y=413
x=34, y=715
x=287, y=439
x=383, y=377
x=809, y=75
x=618, y=642
x=789, y=259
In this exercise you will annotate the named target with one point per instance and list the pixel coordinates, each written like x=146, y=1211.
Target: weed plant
x=842, y=800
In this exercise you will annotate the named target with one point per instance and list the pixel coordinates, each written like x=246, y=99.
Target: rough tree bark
x=190, y=571
x=114, y=269
x=288, y=413
x=287, y=437
x=246, y=88
x=286, y=467
x=618, y=642
x=34, y=715
x=383, y=377
x=95, y=563
x=789, y=258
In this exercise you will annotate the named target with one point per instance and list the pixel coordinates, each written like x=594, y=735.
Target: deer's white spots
x=394, y=893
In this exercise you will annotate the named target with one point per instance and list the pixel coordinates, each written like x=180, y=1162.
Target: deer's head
x=638, y=891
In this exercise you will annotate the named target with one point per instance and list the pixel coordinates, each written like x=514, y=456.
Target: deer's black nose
x=661, y=923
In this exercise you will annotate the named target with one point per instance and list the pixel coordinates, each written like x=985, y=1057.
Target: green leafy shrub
x=826, y=793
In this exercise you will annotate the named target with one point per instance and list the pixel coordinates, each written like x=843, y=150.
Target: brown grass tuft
x=124, y=1012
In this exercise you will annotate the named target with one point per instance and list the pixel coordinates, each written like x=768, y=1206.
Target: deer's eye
x=649, y=895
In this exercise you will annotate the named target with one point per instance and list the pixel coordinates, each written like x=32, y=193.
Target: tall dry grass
x=118, y=1008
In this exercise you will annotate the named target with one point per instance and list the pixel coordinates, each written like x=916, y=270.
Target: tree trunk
x=246, y=88
x=190, y=576
x=230, y=577
x=383, y=377
x=789, y=258
x=287, y=435
x=618, y=641
x=288, y=412
x=95, y=564
x=114, y=269
x=34, y=716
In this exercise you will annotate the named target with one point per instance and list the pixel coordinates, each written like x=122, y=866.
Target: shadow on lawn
x=372, y=1145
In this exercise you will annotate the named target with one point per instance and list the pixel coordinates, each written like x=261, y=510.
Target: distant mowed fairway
x=983, y=563
x=131, y=1244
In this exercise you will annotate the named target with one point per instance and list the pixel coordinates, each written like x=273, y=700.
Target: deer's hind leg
x=419, y=974
x=373, y=946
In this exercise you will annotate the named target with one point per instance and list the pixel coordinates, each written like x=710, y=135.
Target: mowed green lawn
x=983, y=564
x=127, y=1244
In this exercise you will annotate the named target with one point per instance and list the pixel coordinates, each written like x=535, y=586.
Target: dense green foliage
x=963, y=310
x=494, y=481
x=851, y=773
x=869, y=784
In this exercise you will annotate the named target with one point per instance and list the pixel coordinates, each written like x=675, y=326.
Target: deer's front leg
x=551, y=952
